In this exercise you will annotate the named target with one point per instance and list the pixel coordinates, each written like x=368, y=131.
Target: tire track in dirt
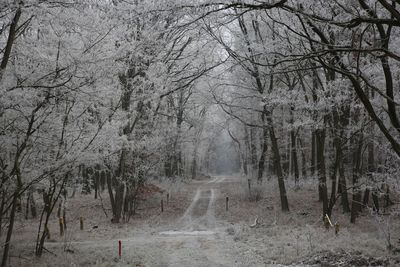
x=198, y=238
x=199, y=217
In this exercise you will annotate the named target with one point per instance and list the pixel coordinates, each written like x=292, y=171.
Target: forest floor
x=195, y=229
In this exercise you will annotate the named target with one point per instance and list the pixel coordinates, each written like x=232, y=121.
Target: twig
x=102, y=206
x=49, y=251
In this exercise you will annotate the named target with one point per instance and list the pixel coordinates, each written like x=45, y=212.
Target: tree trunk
x=367, y=192
x=96, y=180
x=339, y=122
x=194, y=167
x=335, y=167
x=33, y=206
x=10, y=230
x=103, y=180
x=277, y=164
x=110, y=192
x=27, y=206
x=119, y=202
x=3, y=201
x=303, y=159
x=40, y=239
x=253, y=150
x=59, y=209
x=49, y=199
x=264, y=148
x=194, y=160
x=295, y=165
x=356, y=201
x=10, y=41
x=313, y=164
x=375, y=199
x=343, y=188
x=322, y=186
x=247, y=149
x=371, y=168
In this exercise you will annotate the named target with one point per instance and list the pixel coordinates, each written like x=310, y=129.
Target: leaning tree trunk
x=277, y=164
x=6, y=248
x=50, y=200
x=3, y=202
x=10, y=42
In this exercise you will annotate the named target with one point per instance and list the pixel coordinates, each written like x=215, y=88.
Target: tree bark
x=3, y=201
x=33, y=206
x=10, y=41
x=356, y=201
x=371, y=169
x=264, y=148
x=313, y=164
x=295, y=165
x=247, y=149
x=10, y=230
x=303, y=159
x=343, y=188
x=277, y=164
x=110, y=192
x=253, y=150
x=320, y=157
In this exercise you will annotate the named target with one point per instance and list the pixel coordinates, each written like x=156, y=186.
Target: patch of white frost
x=187, y=233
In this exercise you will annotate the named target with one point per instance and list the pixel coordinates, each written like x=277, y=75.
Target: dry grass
x=284, y=238
x=290, y=237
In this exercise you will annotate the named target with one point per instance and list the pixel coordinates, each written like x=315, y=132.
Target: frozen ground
x=196, y=230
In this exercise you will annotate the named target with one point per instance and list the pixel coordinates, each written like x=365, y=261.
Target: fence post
x=337, y=227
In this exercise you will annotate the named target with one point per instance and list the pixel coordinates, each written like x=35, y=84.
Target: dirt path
x=194, y=239
x=199, y=240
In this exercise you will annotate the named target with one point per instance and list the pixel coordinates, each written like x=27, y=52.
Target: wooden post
x=327, y=222
x=61, y=222
x=337, y=227
x=227, y=200
x=81, y=222
x=162, y=205
x=167, y=198
x=119, y=248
